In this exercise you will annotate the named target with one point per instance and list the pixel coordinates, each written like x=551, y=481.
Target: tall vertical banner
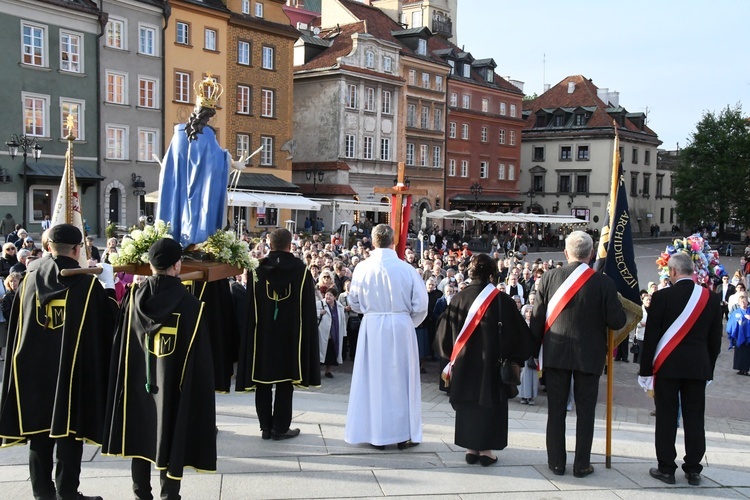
x=68, y=205
x=400, y=214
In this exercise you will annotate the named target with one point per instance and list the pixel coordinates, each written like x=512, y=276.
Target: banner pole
x=610, y=384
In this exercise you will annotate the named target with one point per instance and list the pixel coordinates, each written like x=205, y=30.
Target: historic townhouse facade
x=568, y=143
x=131, y=85
x=50, y=72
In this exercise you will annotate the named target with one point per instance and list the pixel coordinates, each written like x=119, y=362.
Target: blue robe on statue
x=193, y=186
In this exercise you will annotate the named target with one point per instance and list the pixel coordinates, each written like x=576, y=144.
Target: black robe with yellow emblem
x=161, y=402
x=280, y=342
x=59, y=342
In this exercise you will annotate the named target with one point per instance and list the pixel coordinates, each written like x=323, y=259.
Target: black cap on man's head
x=66, y=234
x=164, y=253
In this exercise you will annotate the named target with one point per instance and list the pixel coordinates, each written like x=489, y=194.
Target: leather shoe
x=661, y=476
x=583, y=472
x=407, y=444
x=471, y=459
x=81, y=496
x=486, y=461
x=694, y=478
x=329, y=375
x=558, y=471
x=291, y=433
x=378, y=446
x=265, y=434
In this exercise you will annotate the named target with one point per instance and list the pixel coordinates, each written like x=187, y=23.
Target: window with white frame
x=438, y=119
x=147, y=92
x=452, y=130
x=387, y=64
x=411, y=115
x=71, y=50
x=503, y=109
x=422, y=47
x=512, y=137
x=243, y=145
x=409, y=153
x=416, y=19
x=412, y=77
x=501, y=171
x=369, y=59
x=246, y=6
x=117, y=142
x=182, y=33
x=243, y=99
x=117, y=86
x=210, y=39
x=243, y=53
x=583, y=153
x=465, y=131
x=74, y=108
x=452, y=64
x=266, y=156
x=439, y=83
x=147, y=143
x=369, y=99
x=350, y=146
x=425, y=117
x=268, y=107
x=425, y=80
x=258, y=9
x=464, y=168
x=351, y=96
x=467, y=70
x=485, y=105
x=116, y=33
x=367, y=147
x=513, y=110
x=511, y=172
x=34, y=44
x=385, y=149
x=268, y=57
x=386, y=105
x=501, y=138
x=451, y=168
x=423, y=150
x=182, y=86
x=484, y=134
x=466, y=101
x=147, y=40
x=483, y=170
x=436, y=156
x=454, y=99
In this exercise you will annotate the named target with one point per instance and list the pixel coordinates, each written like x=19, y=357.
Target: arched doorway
x=114, y=206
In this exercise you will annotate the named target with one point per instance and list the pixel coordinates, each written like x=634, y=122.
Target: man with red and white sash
x=680, y=346
x=573, y=309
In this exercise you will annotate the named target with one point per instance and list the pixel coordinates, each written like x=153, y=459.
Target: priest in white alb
x=385, y=397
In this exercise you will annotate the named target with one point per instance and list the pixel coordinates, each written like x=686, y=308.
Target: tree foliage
x=712, y=181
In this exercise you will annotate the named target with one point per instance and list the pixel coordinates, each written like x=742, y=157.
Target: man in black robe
x=280, y=344
x=59, y=340
x=161, y=403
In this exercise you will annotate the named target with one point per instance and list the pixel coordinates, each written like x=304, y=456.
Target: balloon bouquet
x=708, y=270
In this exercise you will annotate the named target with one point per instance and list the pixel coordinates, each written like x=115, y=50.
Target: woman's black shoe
x=471, y=459
x=486, y=461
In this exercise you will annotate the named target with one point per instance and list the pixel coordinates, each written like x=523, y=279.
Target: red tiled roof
x=342, y=45
x=584, y=95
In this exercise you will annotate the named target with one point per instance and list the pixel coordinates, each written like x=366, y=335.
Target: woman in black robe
x=476, y=390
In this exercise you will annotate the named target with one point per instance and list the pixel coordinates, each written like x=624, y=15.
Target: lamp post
x=530, y=194
x=26, y=144
x=316, y=176
x=476, y=190
x=139, y=190
x=570, y=200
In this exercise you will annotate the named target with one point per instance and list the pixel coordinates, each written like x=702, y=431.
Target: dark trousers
x=669, y=394
x=68, y=454
x=278, y=419
x=621, y=351
x=140, y=471
x=586, y=392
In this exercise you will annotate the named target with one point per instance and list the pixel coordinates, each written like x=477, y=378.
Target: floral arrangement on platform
x=705, y=261
x=226, y=247
x=134, y=247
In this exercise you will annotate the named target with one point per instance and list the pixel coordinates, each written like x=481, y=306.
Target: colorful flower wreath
x=705, y=261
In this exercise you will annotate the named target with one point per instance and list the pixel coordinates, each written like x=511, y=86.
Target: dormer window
x=422, y=47
x=452, y=64
x=467, y=71
x=581, y=119
x=369, y=59
x=490, y=78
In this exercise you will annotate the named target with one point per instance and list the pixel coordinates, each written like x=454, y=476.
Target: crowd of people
x=312, y=304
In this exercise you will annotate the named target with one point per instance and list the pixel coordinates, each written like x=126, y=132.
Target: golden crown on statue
x=208, y=92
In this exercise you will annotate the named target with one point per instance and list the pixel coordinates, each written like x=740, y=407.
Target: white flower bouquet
x=134, y=247
x=224, y=246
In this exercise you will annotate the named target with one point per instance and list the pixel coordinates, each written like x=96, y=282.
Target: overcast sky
x=673, y=59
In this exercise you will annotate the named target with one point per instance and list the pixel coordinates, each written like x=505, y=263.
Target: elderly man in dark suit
x=574, y=307
x=680, y=346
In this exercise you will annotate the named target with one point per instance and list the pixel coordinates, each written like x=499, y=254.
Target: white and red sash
x=681, y=326
x=476, y=312
x=561, y=298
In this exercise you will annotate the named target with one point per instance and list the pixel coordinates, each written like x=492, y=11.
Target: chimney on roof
x=546, y=87
x=571, y=87
x=614, y=99
x=516, y=83
x=603, y=94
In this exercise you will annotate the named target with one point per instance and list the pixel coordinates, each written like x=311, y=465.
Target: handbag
x=635, y=348
x=510, y=371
